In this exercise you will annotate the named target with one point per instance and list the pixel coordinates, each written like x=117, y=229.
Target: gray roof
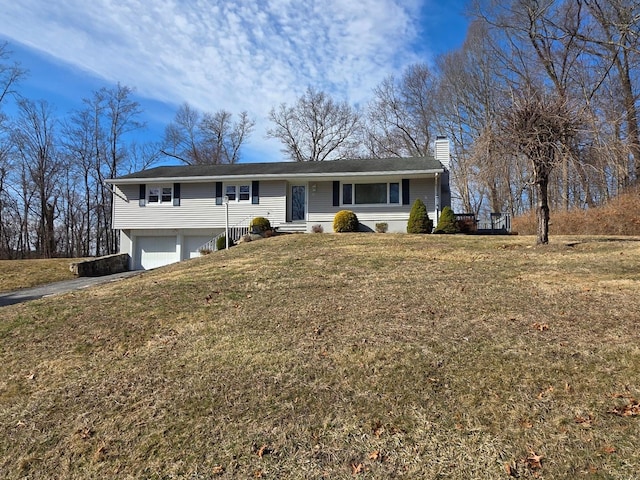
x=373, y=166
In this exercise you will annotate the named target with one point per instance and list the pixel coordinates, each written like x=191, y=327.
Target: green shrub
x=447, y=222
x=260, y=225
x=221, y=243
x=345, y=221
x=419, y=221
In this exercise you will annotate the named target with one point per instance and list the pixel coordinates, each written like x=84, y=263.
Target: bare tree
x=223, y=138
x=82, y=144
x=316, y=128
x=197, y=138
x=143, y=155
x=616, y=41
x=97, y=142
x=10, y=74
x=540, y=127
x=468, y=99
x=182, y=137
x=537, y=43
x=34, y=140
x=119, y=118
x=401, y=117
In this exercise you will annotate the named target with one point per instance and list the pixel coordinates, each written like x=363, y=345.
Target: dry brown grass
x=621, y=216
x=16, y=274
x=336, y=356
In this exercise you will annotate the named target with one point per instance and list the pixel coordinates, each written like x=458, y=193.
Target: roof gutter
x=273, y=176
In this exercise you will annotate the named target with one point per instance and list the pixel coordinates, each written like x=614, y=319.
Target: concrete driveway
x=26, y=294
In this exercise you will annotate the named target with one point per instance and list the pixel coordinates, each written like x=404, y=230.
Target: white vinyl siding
x=197, y=208
x=322, y=211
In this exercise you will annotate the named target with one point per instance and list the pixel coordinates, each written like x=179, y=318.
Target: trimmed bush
x=447, y=222
x=345, y=221
x=419, y=221
x=260, y=224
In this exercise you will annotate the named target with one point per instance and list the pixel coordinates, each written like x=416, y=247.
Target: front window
x=370, y=193
x=230, y=192
x=159, y=194
x=347, y=197
x=394, y=193
x=244, y=193
x=238, y=193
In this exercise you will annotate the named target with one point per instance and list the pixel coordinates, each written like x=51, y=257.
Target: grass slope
x=17, y=274
x=334, y=356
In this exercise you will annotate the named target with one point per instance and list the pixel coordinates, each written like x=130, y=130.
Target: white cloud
x=237, y=55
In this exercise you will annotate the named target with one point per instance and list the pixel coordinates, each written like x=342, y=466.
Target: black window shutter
x=176, y=194
x=405, y=191
x=218, y=193
x=336, y=193
x=142, y=195
x=255, y=192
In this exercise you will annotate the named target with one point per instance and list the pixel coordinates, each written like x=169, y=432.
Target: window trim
x=160, y=187
x=238, y=193
x=354, y=190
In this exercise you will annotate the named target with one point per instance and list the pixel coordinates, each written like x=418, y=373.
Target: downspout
x=436, y=196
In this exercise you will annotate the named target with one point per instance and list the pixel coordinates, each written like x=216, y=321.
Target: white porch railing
x=235, y=233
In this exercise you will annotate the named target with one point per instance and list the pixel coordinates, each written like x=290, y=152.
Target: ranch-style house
x=166, y=214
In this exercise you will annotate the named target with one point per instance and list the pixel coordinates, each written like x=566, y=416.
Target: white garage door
x=152, y=252
x=193, y=244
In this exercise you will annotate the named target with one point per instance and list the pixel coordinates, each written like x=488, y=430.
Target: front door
x=298, y=202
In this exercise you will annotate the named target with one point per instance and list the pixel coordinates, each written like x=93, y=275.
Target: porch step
x=292, y=227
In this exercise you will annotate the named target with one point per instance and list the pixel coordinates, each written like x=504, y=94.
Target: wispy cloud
x=238, y=55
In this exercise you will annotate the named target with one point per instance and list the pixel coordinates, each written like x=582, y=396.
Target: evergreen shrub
x=260, y=225
x=345, y=221
x=221, y=243
x=419, y=221
x=447, y=222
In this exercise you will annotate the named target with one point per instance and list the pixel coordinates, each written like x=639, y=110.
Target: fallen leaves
x=545, y=393
x=534, y=461
x=217, y=470
x=585, y=421
x=526, y=424
x=511, y=469
x=375, y=455
x=631, y=409
x=263, y=450
x=377, y=428
x=541, y=327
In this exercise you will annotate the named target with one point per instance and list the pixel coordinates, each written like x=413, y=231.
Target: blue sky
x=222, y=54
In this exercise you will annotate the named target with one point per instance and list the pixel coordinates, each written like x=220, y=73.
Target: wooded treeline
x=540, y=104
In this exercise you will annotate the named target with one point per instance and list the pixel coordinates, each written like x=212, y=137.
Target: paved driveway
x=26, y=294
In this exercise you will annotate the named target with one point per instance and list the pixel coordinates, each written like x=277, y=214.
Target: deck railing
x=236, y=232
x=497, y=223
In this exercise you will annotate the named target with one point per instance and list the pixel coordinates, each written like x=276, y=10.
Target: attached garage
x=153, y=252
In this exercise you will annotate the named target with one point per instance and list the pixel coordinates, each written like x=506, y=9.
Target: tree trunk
x=542, y=211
